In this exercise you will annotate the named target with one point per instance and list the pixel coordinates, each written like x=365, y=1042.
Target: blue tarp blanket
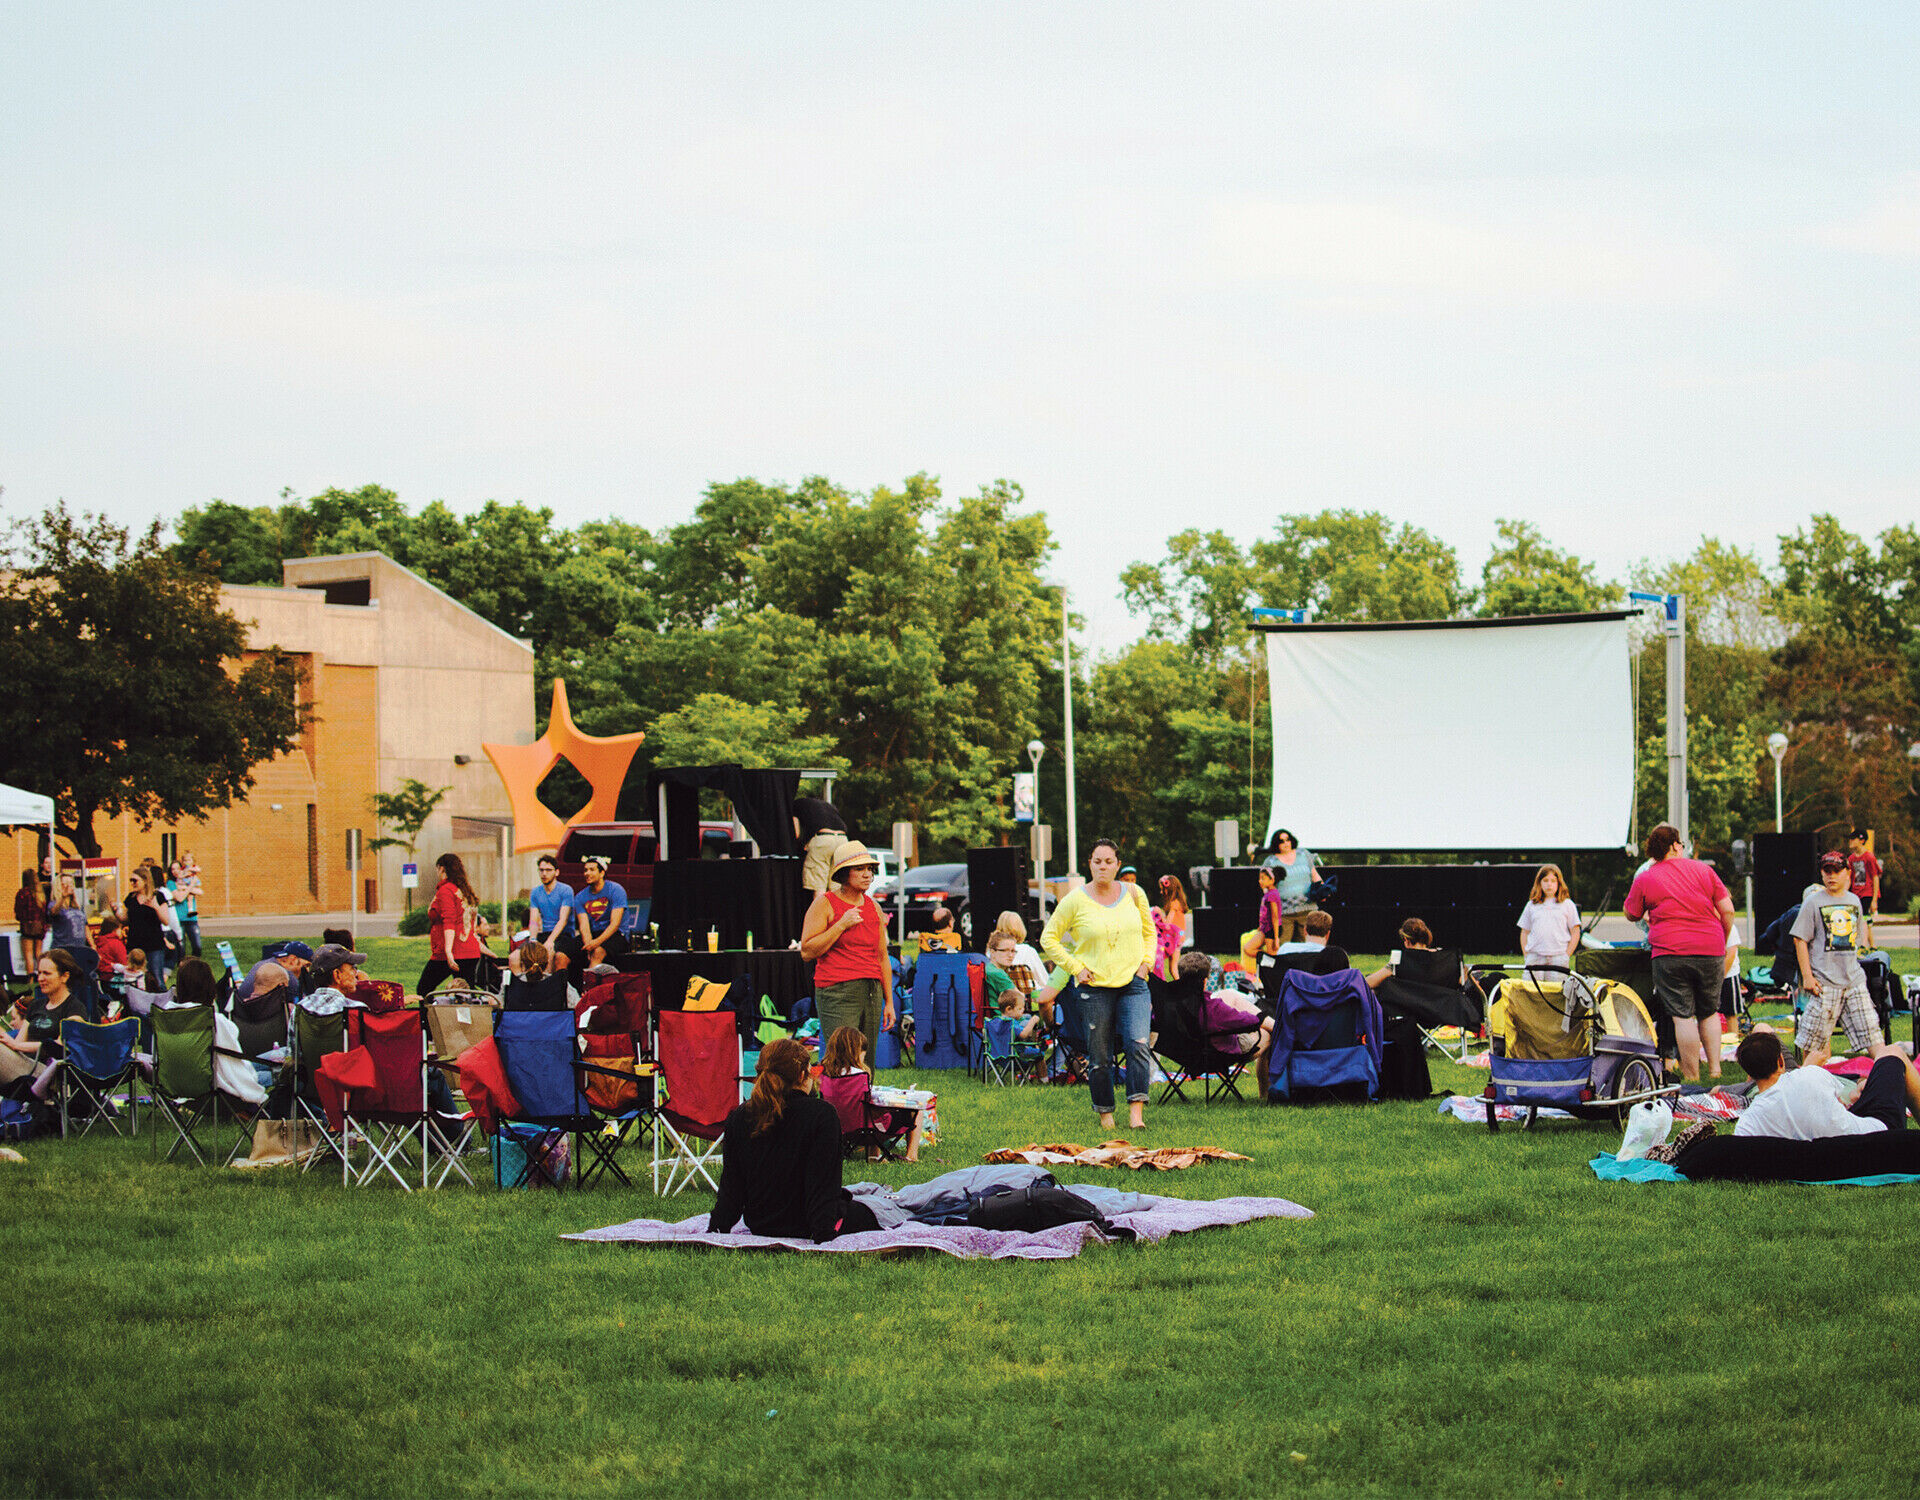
x=1609, y=1170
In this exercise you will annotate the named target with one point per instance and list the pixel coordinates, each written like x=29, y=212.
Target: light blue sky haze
x=1637, y=272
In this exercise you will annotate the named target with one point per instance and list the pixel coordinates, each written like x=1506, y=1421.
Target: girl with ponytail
x=780, y=1155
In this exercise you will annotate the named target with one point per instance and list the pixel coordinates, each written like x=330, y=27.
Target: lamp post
x=1036, y=749
x=1777, y=748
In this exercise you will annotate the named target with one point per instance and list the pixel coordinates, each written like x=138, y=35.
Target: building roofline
x=524, y=642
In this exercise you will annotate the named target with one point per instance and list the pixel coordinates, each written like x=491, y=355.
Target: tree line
x=910, y=642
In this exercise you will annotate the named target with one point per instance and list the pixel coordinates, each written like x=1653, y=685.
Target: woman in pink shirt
x=1689, y=916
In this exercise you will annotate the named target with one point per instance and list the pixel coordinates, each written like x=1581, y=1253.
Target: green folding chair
x=183, y=1089
x=313, y=1038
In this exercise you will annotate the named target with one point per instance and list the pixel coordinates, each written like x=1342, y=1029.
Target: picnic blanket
x=1163, y=1218
x=1113, y=1154
x=1716, y=1104
x=1471, y=1109
x=1609, y=1170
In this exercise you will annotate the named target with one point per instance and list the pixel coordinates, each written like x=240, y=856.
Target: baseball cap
x=1833, y=860
x=331, y=956
x=292, y=948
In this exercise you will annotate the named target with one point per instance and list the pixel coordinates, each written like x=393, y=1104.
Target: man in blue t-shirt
x=551, y=903
x=603, y=907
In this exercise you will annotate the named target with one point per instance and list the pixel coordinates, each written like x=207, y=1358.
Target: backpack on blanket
x=1041, y=1204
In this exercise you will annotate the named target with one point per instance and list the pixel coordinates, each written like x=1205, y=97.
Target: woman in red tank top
x=845, y=938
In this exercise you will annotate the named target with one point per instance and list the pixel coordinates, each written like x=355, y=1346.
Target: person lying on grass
x=780, y=1158
x=847, y=1053
x=1808, y=1103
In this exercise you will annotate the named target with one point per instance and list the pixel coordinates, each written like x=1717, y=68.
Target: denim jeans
x=1100, y=1009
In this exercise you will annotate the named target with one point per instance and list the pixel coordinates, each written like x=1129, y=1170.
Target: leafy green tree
x=499, y=562
x=1527, y=576
x=241, y=544
x=1200, y=593
x=1357, y=565
x=714, y=729
x=336, y=521
x=406, y=812
x=1731, y=598
x=129, y=686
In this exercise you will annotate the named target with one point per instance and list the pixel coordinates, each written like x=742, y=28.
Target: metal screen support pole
x=1676, y=625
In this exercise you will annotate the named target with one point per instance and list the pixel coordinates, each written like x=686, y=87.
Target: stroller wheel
x=1635, y=1078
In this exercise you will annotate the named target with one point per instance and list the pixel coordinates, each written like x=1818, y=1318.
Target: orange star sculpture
x=602, y=759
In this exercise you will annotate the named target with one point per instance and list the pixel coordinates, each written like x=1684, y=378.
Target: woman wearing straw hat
x=845, y=938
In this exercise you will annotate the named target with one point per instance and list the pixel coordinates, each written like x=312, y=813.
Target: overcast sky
x=1636, y=272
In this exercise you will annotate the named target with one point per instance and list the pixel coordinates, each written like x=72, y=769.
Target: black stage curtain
x=763, y=800
x=738, y=896
x=780, y=973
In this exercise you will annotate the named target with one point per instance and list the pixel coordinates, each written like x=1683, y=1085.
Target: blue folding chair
x=541, y=1056
x=97, y=1059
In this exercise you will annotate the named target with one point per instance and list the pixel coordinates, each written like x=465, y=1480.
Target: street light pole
x=1066, y=687
x=1036, y=749
x=1777, y=748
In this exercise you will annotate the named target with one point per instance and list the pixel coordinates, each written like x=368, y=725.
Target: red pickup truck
x=631, y=850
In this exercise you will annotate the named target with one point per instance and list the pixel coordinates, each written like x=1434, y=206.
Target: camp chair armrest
x=442, y=1065
x=586, y=1067
x=237, y=1056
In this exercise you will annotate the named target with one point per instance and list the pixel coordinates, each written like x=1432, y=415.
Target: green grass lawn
x=1468, y=1313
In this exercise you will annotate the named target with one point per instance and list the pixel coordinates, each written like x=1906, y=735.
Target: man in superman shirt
x=602, y=907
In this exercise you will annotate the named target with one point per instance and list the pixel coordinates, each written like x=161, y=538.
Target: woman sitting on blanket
x=847, y=1053
x=781, y=1158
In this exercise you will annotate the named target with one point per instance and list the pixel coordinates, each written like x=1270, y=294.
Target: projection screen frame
x=1520, y=710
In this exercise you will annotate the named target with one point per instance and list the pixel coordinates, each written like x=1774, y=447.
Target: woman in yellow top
x=1103, y=935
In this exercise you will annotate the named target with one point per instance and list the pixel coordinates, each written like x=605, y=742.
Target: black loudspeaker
x=996, y=882
x=1783, y=867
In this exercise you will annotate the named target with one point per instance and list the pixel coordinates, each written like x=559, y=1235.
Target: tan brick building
x=404, y=682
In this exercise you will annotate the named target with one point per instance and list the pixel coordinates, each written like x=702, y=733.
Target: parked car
x=928, y=886
x=889, y=877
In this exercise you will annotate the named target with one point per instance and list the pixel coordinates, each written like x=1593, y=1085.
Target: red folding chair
x=700, y=1087
x=384, y=1074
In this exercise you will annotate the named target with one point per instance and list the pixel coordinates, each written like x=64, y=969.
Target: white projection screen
x=1469, y=735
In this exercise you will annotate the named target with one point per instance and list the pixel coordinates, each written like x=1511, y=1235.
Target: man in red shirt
x=1864, y=872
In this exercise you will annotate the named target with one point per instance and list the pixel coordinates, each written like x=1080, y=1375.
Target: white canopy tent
x=17, y=807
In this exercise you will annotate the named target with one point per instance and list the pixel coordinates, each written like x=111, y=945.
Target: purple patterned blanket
x=1168, y=1216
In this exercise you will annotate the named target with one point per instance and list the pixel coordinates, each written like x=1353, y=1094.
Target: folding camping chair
x=539, y=1053
x=1427, y=988
x=454, y=1025
x=1327, y=1039
x=185, y=1089
x=865, y=1127
x=700, y=1079
x=1006, y=1057
x=614, y=1044
x=96, y=1060
x=1197, y=1052
x=394, y=1112
x=314, y=1036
